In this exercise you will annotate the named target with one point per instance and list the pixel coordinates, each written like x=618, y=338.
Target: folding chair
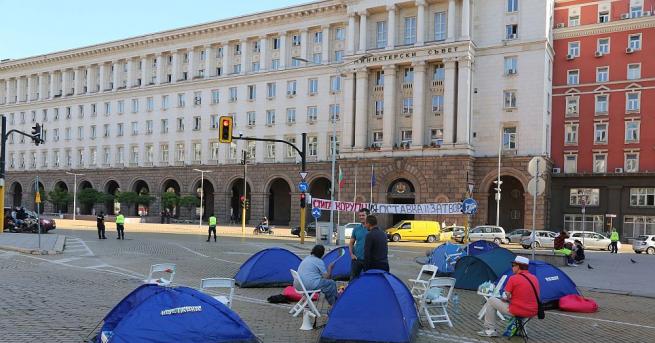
x=162, y=269
x=306, y=300
x=521, y=330
x=220, y=283
x=436, y=310
x=420, y=284
x=496, y=290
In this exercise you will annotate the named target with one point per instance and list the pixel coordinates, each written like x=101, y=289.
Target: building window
x=237, y=49
x=572, y=106
x=634, y=41
x=317, y=57
x=410, y=30
x=439, y=73
x=164, y=126
x=571, y=134
x=197, y=152
x=135, y=128
x=634, y=71
x=509, y=138
x=149, y=127
x=215, y=96
x=270, y=151
x=164, y=102
x=255, y=67
x=340, y=34
x=291, y=153
x=570, y=164
x=512, y=5
x=379, y=108
x=601, y=103
x=406, y=137
x=181, y=100
x=600, y=133
x=150, y=153
x=232, y=153
x=589, y=196
x=511, y=31
x=292, y=87
x=573, y=77
x=381, y=34
x=197, y=123
x=509, y=97
x=338, y=56
x=275, y=64
x=251, y=117
x=255, y=46
x=197, y=98
x=437, y=103
x=603, y=46
x=408, y=75
x=252, y=92
x=179, y=152
x=270, y=117
x=377, y=139
x=642, y=197
x=632, y=131
x=334, y=145
x=270, y=90
x=135, y=105
x=233, y=94
x=408, y=106
x=631, y=164
x=440, y=26
x=639, y=225
x=578, y=222
x=574, y=49
x=150, y=104
x=632, y=103
x=120, y=155
x=276, y=43
x=312, y=113
x=236, y=69
x=574, y=20
x=312, y=145
x=436, y=136
x=602, y=74
x=603, y=17
x=511, y=65
x=119, y=131
x=335, y=112
x=318, y=37
x=180, y=124
x=600, y=163
x=213, y=121
x=134, y=155
x=291, y=115
x=215, y=149
x=108, y=109
x=636, y=11
x=335, y=84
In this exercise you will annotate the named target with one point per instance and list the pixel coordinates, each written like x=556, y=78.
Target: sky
x=35, y=27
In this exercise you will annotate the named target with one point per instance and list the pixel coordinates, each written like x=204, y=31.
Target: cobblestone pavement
x=62, y=298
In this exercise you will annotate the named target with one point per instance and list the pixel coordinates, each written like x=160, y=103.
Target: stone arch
x=512, y=204
x=63, y=186
x=208, y=195
x=112, y=187
x=272, y=178
x=141, y=187
x=16, y=191
x=492, y=176
x=400, y=170
x=234, y=193
x=170, y=184
x=84, y=208
x=319, y=187
x=401, y=191
x=441, y=198
x=279, y=201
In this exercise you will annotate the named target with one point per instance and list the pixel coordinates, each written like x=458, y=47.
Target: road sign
x=303, y=175
x=471, y=185
x=536, y=189
x=537, y=165
x=303, y=186
x=610, y=215
x=316, y=212
x=469, y=206
x=37, y=198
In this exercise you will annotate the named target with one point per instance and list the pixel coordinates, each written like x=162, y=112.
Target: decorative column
x=160, y=68
x=389, y=116
x=11, y=91
x=361, y=109
x=463, y=102
x=449, y=102
x=325, y=44
x=362, y=31
x=418, y=117
x=145, y=71
x=191, y=64
x=7, y=90
x=78, y=84
x=103, y=76
x=30, y=87
x=43, y=87
x=227, y=56
x=283, y=50
x=130, y=73
x=304, y=43
x=53, y=84
x=117, y=67
x=20, y=92
x=420, y=25
x=348, y=111
x=209, y=57
x=350, y=44
x=263, y=54
x=89, y=79
x=466, y=18
x=451, y=21
x=391, y=27
x=175, y=67
x=66, y=83
x=244, y=55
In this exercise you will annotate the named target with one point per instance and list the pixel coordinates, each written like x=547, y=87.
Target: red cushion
x=291, y=294
x=577, y=303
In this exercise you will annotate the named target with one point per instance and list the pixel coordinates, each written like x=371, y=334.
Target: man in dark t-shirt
x=375, y=247
x=100, y=223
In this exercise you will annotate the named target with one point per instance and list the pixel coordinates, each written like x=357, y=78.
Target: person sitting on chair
x=314, y=275
x=519, y=298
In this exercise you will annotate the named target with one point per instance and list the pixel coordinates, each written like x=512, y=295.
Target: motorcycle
x=27, y=225
x=261, y=229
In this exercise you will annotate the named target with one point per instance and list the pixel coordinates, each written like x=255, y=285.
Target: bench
x=548, y=256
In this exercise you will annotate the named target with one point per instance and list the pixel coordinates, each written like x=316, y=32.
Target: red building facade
x=603, y=124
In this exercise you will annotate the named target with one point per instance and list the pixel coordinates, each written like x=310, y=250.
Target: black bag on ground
x=278, y=299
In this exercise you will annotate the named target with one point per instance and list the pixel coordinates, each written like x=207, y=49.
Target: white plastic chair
x=225, y=283
x=436, y=310
x=420, y=284
x=161, y=269
x=495, y=291
x=306, y=299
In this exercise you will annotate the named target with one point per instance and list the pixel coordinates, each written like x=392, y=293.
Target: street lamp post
x=498, y=182
x=202, y=191
x=74, y=192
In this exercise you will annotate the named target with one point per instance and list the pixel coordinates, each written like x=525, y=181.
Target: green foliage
x=59, y=197
x=127, y=198
x=170, y=200
x=104, y=198
x=189, y=201
x=144, y=199
x=88, y=196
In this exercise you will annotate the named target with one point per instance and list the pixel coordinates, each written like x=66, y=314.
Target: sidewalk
x=28, y=243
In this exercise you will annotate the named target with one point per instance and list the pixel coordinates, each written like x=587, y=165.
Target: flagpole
x=355, y=196
x=372, y=179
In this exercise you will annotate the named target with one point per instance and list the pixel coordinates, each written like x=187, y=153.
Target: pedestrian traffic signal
x=225, y=132
x=303, y=201
x=37, y=133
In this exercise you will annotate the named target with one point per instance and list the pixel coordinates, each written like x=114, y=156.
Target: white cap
x=521, y=260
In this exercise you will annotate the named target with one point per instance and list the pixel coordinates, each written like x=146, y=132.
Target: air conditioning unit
x=618, y=170
x=625, y=16
x=629, y=50
x=560, y=25
x=569, y=57
x=511, y=72
x=598, y=54
x=557, y=170
x=196, y=100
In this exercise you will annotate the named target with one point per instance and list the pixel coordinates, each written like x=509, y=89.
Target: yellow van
x=414, y=230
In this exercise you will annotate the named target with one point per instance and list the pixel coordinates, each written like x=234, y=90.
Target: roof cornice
x=603, y=28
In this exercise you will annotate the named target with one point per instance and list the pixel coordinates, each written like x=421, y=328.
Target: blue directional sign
x=303, y=186
x=469, y=206
x=316, y=212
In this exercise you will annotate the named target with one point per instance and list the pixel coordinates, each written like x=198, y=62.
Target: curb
x=59, y=244
x=28, y=251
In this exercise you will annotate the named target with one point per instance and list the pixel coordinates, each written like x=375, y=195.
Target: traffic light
x=225, y=135
x=303, y=201
x=37, y=133
x=242, y=201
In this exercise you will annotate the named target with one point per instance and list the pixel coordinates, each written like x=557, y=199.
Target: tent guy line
x=603, y=320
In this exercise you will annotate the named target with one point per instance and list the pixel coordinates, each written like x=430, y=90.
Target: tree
x=128, y=199
x=170, y=200
x=59, y=198
x=88, y=197
x=144, y=199
x=189, y=201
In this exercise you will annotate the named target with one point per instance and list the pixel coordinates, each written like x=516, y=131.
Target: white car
x=644, y=243
x=348, y=229
x=591, y=240
x=490, y=233
x=543, y=239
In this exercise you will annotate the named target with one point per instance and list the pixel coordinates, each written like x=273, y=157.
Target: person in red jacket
x=519, y=299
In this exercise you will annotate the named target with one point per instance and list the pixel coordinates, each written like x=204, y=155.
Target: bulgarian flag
x=341, y=180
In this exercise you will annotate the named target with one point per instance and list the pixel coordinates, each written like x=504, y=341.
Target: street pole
x=74, y=192
x=2, y=172
x=245, y=194
x=303, y=166
x=202, y=192
x=534, y=208
x=498, y=182
x=38, y=209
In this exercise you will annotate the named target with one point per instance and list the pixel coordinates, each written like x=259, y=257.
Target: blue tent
x=553, y=282
x=341, y=269
x=481, y=247
x=152, y=313
x=471, y=271
x=268, y=268
x=445, y=256
x=376, y=307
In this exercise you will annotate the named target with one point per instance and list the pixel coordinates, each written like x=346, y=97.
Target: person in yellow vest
x=212, y=227
x=120, y=226
x=614, y=237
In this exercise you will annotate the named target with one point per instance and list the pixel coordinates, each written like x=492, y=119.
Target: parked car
x=310, y=229
x=491, y=233
x=543, y=239
x=516, y=235
x=644, y=243
x=449, y=232
x=591, y=240
x=348, y=229
x=47, y=223
x=416, y=230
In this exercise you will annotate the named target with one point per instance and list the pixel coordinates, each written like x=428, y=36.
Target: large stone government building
x=425, y=93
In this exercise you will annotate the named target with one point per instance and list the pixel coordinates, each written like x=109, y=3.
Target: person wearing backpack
x=521, y=298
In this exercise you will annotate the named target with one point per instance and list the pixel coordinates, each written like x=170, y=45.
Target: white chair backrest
x=296, y=277
x=443, y=282
x=500, y=284
x=217, y=283
x=162, y=267
x=427, y=268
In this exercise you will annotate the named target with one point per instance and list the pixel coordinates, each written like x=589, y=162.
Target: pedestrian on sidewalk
x=614, y=238
x=120, y=226
x=376, y=251
x=100, y=223
x=212, y=227
x=357, y=241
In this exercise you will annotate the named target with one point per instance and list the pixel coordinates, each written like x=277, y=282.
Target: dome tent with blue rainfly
x=480, y=247
x=471, y=271
x=341, y=269
x=375, y=307
x=153, y=313
x=445, y=256
x=553, y=282
x=268, y=268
